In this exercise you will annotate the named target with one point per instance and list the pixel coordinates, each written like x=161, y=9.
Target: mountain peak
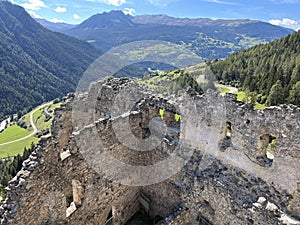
x=114, y=18
x=114, y=12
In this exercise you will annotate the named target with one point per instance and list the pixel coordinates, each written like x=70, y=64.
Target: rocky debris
x=287, y=220
x=71, y=209
x=19, y=182
x=78, y=192
x=65, y=155
x=271, y=207
x=262, y=200
x=175, y=214
x=283, y=218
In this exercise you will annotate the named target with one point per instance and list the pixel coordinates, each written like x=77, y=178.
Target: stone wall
x=228, y=179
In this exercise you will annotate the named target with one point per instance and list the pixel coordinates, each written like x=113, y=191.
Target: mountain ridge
x=36, y=64
x=206, y=37
x=56, y=27
x=105, y=20
x=169, y=20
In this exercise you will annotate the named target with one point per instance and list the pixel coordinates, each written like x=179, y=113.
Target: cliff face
x=230, y=171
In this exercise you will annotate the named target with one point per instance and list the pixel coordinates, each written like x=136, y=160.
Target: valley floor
x=14, y=138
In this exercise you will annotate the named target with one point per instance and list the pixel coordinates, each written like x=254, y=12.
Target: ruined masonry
x=244, y=166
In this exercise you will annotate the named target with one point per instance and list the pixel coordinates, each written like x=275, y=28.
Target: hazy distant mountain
x=57, y=27
x=112, y=20
x=36, y=64
x=206, y=37
x=198, y=22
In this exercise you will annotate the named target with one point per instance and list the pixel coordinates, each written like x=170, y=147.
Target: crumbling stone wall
x=220, y=184
x=47, y=185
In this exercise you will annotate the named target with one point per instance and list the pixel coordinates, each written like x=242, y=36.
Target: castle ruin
x=238, y=165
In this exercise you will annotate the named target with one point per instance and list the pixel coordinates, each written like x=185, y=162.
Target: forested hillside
x=36, y=65
x=272, y=70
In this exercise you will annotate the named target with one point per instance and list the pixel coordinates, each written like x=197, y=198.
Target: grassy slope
x=196, y=71
x=15, y=132
x=241, y=97
x=16, y=148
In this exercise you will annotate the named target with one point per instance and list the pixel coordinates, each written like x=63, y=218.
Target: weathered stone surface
x=71, y=209
x=65, y=155
x=78, y=192
x=216, y=186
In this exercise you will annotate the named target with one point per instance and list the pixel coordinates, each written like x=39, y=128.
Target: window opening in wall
x=145, y=202
x=158, y=220
x=161, y=113
x=228, y=130
x=203, y=221
x=177, y=117
x=69, y=199
x=226, y=141
x=110, y=218
x=141, y=217
x=266, y=145
x=271, y=148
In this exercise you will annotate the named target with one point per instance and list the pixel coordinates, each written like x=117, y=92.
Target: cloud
x=116, y=2
x=33, y=4
x=34, y=15
x=76, y=16
x=161, y=3
x=286, y=22
x=60, y=9
x=55, y=20
x=129, y=11
x=110, y=2
x=222, y=2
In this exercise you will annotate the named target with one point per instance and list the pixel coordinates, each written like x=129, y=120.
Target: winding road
x=201, y=79
x=35, y=129
x=231, y=89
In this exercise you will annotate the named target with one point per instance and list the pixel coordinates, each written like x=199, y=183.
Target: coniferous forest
x=36, y=65
x=9, y=167
x=271, y=70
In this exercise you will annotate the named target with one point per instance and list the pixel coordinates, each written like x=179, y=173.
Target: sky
x=278, y=12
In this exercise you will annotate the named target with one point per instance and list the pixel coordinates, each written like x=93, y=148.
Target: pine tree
x=276, y=96
x=294, y=97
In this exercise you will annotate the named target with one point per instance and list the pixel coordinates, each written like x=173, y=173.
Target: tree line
x=271, y=70
x=9, y=167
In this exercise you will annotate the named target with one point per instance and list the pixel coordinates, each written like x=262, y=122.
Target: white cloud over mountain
x=34, y=15
x=33, y=4
x=55, y=20
x=116, y=2
x=76, y=16
x=129, y=11
x=286, y=22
